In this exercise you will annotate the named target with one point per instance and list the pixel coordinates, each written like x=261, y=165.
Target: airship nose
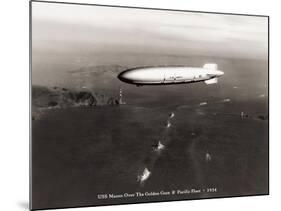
x=120, y=76
x=125, y=76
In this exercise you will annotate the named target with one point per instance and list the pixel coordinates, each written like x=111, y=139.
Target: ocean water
x=81, y=153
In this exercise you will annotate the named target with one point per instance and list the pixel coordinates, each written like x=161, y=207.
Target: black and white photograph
x=134, y=105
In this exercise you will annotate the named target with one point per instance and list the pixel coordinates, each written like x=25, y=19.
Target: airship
x=168, y=75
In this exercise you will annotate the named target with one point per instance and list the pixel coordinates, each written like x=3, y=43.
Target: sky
x=68, y=37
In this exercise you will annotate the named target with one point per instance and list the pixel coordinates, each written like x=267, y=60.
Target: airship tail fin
x=210, y=66
x=211, y=81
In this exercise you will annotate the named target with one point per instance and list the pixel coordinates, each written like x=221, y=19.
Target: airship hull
x=167, y=75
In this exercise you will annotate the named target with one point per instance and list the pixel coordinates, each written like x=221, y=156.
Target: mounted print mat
x=134, y=105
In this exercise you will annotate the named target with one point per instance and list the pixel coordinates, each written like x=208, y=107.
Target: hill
x=56, y=97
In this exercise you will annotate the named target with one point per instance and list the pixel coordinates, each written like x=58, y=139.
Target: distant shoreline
x=46, y=98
